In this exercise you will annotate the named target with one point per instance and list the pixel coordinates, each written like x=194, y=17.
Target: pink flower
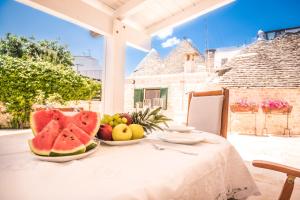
x=274, y=104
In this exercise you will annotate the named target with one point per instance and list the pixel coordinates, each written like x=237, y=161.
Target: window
x=150, y=97
x=152, y=93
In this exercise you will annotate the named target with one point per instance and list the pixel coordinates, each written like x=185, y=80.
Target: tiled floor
x=283, y=150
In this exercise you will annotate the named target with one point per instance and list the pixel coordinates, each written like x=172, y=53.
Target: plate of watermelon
x=59, y=137
x=67, y=158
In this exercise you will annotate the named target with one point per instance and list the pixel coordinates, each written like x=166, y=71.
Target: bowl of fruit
x=130, y=128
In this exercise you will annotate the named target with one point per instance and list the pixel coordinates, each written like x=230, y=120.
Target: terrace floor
x=284, y=150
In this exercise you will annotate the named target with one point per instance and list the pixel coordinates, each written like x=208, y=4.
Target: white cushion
x=205, y=113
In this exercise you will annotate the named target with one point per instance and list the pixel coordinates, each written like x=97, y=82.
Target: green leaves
x=29, y=48
x=150, y=120
x=38, y=72
x=25, y=82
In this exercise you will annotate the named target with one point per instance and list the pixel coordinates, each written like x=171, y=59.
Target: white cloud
x=170, y=42
x=165, y=33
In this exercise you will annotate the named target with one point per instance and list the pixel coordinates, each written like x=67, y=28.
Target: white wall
x=225, y=53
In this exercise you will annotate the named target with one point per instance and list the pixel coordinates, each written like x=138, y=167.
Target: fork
x=158, y=147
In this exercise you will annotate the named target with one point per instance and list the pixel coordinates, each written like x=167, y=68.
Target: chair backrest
x=208, y=111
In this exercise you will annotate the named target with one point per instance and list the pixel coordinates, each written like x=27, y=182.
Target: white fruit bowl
x=121, y=143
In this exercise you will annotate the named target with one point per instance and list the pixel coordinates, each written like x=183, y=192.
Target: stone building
x=223, y=55
x=165, y=82
x=266, y=69
x=269, y=68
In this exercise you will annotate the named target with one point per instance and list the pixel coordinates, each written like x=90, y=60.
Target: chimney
x=189, y=64
x=210, y=59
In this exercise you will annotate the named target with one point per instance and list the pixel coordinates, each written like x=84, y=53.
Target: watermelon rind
x=93, y=133
x=79, y=150
x=32, y=124
x=36, y=151
x=91, y=145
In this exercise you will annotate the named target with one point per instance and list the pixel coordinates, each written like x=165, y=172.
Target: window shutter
x=164, y=96
x=138, y=96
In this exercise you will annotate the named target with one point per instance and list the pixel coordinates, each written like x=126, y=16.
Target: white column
x=114, y=75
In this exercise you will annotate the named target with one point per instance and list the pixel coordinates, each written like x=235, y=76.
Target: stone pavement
x=284, y=150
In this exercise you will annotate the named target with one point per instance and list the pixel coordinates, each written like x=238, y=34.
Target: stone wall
x=178, y=87
x=244, y=123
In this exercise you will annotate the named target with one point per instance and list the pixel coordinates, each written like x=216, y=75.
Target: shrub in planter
x=244, y=105
x=274, y=105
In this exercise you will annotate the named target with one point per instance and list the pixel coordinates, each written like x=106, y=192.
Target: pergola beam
x=71, y=10
x=100, y=6
x=94, y=19
x=187, y=14
x=128, y=9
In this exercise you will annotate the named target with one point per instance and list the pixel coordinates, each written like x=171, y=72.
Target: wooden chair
x=291, y=173
x=218, y=97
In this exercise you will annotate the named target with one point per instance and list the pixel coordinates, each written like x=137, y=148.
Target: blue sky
x=233, y=25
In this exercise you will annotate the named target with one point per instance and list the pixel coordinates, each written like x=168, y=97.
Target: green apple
x=121, y=132
x=137, y=131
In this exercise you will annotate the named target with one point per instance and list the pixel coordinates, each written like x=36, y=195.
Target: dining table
x=212, y=169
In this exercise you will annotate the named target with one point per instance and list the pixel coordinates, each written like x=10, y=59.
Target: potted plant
x=243, y=105
x=276, y=106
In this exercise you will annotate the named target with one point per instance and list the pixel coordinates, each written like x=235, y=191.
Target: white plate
x=67, y=158
x=180, y=128
x=120, y=143
x=179, y=138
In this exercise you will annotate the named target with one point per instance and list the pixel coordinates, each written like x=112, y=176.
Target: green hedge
x=22, y=80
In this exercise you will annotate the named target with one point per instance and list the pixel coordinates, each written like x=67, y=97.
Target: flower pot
x=239, y=108
x=283, y=110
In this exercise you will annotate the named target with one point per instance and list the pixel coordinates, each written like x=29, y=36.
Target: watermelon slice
x=67, y=144
x=82, y=136
x=39, y=119
x=42, y=143
x=86, y=120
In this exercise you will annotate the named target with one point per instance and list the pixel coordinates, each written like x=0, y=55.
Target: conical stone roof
x=152, y=64
x=266, y=63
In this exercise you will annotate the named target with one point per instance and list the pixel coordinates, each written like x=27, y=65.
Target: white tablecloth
x=137, y=171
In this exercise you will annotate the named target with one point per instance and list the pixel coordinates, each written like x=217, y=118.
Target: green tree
x=31, y=72
x=28, y=48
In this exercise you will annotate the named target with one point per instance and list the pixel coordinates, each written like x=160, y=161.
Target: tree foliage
x=28, y=48
x=29, y=71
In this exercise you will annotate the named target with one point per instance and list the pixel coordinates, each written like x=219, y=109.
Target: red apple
x=105, y=132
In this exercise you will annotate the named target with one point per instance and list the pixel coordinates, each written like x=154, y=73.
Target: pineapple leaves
x=150, y=120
